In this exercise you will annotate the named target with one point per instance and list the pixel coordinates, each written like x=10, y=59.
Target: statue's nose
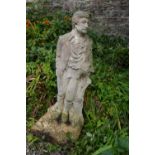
x=86, y=25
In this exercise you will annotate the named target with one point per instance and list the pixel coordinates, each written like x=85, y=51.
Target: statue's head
x=80, y=21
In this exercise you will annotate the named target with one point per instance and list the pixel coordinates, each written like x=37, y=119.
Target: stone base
x=54, y=130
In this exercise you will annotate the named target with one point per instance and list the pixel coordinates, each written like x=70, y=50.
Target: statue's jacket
x=74, y=56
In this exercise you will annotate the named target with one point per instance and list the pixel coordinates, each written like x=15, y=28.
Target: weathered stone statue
x=73, y=68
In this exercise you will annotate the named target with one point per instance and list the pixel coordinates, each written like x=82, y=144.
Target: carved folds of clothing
x=73, y=61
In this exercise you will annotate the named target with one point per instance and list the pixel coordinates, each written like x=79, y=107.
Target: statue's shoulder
x=65, y=37
x=90, y=41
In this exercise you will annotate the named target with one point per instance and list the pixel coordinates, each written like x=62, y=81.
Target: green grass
x=105, y=131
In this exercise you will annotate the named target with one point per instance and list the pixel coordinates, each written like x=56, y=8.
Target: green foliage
x=113, y=51
x=105, y=131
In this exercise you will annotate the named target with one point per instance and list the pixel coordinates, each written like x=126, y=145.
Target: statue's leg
x=61, y=82
x=60, y=96
x=58, y=106
x=69, y=97
x=75, y=115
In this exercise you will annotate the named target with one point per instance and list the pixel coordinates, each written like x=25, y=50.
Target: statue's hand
x=83, y=72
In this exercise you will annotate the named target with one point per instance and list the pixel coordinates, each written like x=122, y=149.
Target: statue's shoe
x=55, y=112
x=64, y=117
x=76, y=119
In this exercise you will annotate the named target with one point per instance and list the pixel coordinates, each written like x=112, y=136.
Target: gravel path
x=39, y=149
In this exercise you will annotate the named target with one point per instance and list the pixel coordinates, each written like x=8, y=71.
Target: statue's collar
x=72, y=35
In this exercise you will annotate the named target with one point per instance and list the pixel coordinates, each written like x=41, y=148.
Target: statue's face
x=82, y=25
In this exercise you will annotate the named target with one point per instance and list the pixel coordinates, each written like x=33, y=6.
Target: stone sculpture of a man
x=73, y=67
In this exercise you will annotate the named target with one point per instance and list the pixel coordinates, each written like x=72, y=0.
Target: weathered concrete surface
x=55, y=131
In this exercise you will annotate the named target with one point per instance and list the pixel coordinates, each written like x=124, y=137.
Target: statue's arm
x=58, y=57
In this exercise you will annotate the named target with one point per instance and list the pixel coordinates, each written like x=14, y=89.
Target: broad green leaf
x=102, y=150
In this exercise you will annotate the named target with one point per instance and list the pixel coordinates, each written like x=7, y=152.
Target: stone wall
x=108, y=16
